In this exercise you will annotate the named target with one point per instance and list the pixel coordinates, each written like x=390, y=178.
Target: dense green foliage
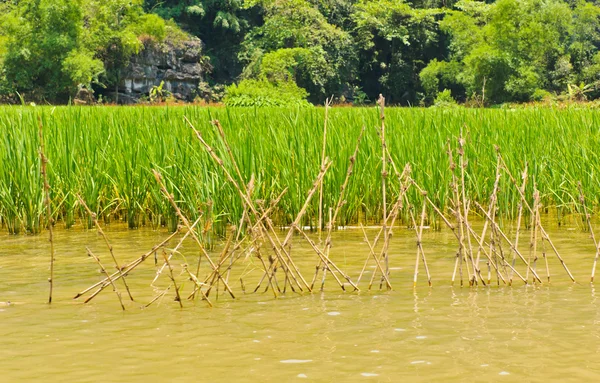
x=107, y=155
x=488, y=52
x=50, y=48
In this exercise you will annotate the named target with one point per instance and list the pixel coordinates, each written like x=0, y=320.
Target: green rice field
x=106, y=154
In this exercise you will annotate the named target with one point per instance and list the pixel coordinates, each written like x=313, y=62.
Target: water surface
x=443, y=333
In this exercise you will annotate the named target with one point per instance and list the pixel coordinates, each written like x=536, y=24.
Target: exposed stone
x=175, y=64
x=84, y=97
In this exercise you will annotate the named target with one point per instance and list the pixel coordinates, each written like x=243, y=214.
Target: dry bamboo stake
x=393, y=214
x=492, y=207
x=564, y=265
x=221, y=261
x=419, y=233
x=372, y=253
x=110, y=248
x=469, y=230
x=493, y=239
x=237, y=238
x=488, y=256
x=534, y=230
x=459, y=221
x=378, y=236
x=173, y=251
x=328, y=246
x=543, y=245
x=499, y=252
x=157, y=297
x=48, y=203
x=107, y=276
x=295, y=224
x=235, y=248
x=509, y=242
x=519, y=216
x=278, y=250
x=327, y=104
x=339, y=204
x=542, y=230
x=265, y=268
x=125, y=270
x=247, y=190
x=387, y=238
x=465, y=215
x=187, y=224
x=451, y=227
x=589, y=222
x=328, y=262
x=178, y=297
x=381, y=103
x=198, y=285
x=246, y=193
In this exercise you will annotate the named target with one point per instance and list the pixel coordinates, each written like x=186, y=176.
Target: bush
x=264, y=93
x=444, y=99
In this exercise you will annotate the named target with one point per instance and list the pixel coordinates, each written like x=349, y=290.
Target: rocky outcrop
x=177, y=65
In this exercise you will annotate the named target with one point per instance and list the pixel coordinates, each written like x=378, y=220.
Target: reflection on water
x=443, y=333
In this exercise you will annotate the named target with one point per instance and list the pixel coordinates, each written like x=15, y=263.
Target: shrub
x=445, y=99
x=264, y=93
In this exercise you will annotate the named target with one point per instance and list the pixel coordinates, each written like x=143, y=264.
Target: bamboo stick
x=187, y=224
x=381, y=103
x=542, y=230
x=125, y=270
x=372, y=253
x=459, y=221
x=519, y=216
x=246, y=191
x=388, y=236
x=48, y=204
x=338, y=206
x=198, y=285
x=173, y=251
x=419, y=234
x=319, y=228
x=178, y=297
x=106, y=241
x=465, y=215
x=378, y=236
x=107, y=276
x=492, y=207
x=276, y=246
x=534, y=230
x=509, y=242
x=589, y=223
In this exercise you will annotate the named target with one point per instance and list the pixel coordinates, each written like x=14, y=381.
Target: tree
x=396, y=42
x=44, y=55
x=294, y=30
x=220, y=24
x=515, y=50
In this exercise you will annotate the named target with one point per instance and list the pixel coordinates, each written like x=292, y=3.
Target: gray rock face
x=177, y=65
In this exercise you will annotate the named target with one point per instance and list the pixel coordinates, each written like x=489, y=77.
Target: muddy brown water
x=444, y=333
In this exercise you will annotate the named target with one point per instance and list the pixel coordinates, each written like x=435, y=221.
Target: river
x=547, y=332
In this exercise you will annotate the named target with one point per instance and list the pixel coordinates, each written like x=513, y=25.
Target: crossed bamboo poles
x=256, y=235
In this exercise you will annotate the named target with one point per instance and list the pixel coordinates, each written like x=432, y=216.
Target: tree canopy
x=486, y=51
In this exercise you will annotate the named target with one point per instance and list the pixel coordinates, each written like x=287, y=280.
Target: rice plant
x=107, y=154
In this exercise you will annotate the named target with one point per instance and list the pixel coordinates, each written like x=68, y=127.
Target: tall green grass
x=107, y=153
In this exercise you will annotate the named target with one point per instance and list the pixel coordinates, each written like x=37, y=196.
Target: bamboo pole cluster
x=484, y=255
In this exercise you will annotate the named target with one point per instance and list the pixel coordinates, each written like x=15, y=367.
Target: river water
x=546, y=332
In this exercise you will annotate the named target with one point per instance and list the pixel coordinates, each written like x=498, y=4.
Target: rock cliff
x=178, y=65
